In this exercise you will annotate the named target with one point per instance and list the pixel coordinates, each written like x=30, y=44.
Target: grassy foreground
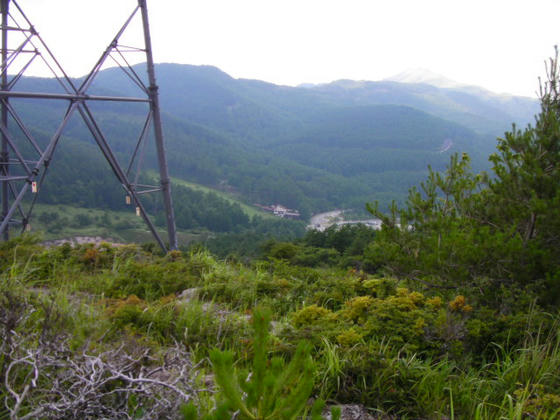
x=116, y=331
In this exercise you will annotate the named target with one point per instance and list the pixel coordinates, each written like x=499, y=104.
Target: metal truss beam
x=31, y=172
x=70, y=97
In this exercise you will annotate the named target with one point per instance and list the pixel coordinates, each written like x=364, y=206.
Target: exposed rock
x=353, y=412
x=188, y=294
x=80, y=240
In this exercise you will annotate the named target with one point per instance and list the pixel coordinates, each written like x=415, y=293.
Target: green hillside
x=449, y=311
x=309, y=149
x=250, y=211
x=312, y=149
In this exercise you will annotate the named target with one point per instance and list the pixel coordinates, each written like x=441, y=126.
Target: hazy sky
x=498, y=44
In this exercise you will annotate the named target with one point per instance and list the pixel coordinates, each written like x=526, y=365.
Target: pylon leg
x=77, y=97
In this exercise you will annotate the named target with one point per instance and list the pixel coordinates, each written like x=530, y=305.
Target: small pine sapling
x=272, y=390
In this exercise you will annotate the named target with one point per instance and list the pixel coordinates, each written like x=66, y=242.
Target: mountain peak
x=420, y=75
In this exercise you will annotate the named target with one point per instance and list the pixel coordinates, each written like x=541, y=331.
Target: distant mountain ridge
x=477, y=108
x=481, y=110
x=310, y=148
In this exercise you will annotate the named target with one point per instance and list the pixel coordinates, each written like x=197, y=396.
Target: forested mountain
x=310, y=148
x=477, y=108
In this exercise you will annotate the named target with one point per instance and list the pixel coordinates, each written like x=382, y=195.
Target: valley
x=313, y=148
x=233, y=143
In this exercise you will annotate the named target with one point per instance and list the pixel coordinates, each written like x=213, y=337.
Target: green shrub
x=151, y=280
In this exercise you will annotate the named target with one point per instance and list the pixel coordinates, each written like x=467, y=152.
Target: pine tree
x=272, y=390
x=486, y=232
x=526, y=188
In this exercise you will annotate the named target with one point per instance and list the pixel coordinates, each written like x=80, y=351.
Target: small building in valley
x=280, y=211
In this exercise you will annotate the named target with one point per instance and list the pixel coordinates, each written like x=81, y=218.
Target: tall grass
x=520, y=383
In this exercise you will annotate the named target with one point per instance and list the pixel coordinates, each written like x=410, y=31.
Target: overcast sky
x=497, y=44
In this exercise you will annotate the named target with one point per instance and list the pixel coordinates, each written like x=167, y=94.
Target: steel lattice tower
x=29, y=172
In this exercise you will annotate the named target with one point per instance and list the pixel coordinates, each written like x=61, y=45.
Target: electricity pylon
x=21, y=174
